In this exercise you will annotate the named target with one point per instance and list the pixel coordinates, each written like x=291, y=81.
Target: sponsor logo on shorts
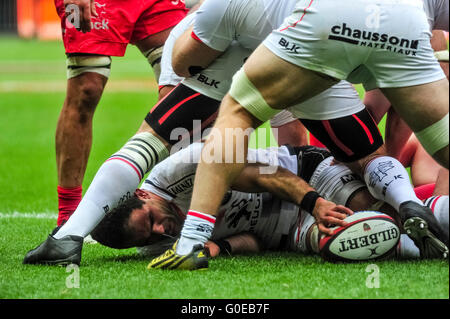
x=376, y=40
x=103, y=24
x=73, y=17
x=207, y=81
x=289, y=46
x=100, y=25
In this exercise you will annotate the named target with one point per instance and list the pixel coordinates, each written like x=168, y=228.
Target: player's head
x=141, y=220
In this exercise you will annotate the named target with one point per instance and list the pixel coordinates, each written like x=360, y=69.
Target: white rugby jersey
x=437, y=13
x=268, y=217
x=215, y=80
x=219, y=22
x=262, y=214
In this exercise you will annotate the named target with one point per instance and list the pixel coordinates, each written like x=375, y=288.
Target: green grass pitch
x=32, y=83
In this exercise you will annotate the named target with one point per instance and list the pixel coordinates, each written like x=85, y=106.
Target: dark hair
x=113, y=230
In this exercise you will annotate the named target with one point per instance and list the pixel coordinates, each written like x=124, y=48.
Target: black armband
x=309, y=201
x=224, y=246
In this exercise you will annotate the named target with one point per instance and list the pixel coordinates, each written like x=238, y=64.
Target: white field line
x=134, y=85
x=28, y=215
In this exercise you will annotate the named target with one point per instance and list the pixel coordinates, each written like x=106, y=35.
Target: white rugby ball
x=368, y=235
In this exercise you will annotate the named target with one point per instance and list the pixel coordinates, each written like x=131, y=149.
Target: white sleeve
x=212, y=24
x=173, y=177
x=274, y=157
x=441, y=19
x=437, y=13
x=168, y=76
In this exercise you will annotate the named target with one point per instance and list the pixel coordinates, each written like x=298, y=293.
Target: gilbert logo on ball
x=368, y=235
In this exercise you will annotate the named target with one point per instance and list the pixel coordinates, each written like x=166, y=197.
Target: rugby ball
x=368, y=235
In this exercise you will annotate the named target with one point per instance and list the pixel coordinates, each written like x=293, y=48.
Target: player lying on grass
x=171, y=183
x=155, y=214
x=197, y=99
x=319, y=44
x=153, y=217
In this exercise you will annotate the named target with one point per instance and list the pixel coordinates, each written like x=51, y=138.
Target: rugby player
x=190, y=100
x=317, y=45
x=172, y=181
x=116, y=179
x=93, y=31
x=152, y=218
x=400, y=142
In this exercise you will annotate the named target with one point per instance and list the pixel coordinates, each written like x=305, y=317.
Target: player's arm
x=190, y=55
x=439, y=45
x=206, y=40
x=236, y=244
x=290, y=187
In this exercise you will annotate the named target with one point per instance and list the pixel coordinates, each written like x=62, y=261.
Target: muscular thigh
x=281, y=83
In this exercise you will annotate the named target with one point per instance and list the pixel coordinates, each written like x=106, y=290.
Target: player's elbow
x=180, y=68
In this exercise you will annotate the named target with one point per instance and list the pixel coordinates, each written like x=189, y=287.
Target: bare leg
x=273, y=77
x=421, y=106
x=74, y=128
x=74, y=139
x=424, y=169
x=377, y=104
x=114, y=181
x=442, y=183
x=293, y=133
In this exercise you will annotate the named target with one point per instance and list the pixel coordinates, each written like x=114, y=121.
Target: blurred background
x=34, y=18
x=32, y=91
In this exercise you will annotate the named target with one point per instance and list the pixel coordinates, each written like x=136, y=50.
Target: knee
x=359, y=166
x=90, y=93
x=82, y=99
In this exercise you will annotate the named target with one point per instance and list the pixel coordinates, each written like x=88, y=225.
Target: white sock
x=407, y=249
x=116, y=180
x=439, y=205
x=301, y=240
x=388, y=181
x=197, y=229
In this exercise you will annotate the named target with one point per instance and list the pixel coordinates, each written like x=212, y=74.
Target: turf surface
x=32, y=77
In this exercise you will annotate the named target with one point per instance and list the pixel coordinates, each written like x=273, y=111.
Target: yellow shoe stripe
x=159, y=262
x=181, y=260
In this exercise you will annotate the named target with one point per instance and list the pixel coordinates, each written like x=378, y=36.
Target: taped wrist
x=309, y=201
x=224, y=246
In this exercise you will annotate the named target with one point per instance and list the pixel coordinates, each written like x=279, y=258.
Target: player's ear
x=141, y=194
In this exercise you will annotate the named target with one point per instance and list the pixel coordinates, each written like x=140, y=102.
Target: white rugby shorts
x=387, y=41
